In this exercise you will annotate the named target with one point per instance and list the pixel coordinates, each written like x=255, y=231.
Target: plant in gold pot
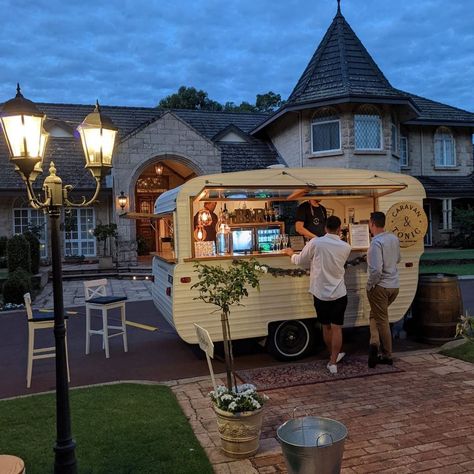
x=238, y=407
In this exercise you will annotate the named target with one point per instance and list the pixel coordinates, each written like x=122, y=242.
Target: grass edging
x=119, y=428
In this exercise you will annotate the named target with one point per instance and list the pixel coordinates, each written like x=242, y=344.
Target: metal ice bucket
x=312, y=445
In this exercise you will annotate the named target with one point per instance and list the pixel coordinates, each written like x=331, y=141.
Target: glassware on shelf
x=284, y=240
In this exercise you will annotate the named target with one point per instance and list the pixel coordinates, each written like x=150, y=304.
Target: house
x=343, y=112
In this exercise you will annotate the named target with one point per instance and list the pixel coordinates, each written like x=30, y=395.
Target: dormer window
x=368, y=129
x=403, y=151
x=326, y=131
x=445, y=156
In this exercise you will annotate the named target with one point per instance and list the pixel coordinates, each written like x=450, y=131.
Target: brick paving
x=420, y=420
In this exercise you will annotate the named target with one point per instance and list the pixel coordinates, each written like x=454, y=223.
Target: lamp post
x=26, y=139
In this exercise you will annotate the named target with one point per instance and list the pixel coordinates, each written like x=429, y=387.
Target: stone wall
x=421, y=161
x=167, y=138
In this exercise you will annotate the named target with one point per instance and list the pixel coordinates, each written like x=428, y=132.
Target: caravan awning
x=296, y=193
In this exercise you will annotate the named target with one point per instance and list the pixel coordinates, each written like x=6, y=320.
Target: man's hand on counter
x=288, y=252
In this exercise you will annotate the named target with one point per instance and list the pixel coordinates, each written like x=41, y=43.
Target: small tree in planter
x=238, y=408
x=104, y=232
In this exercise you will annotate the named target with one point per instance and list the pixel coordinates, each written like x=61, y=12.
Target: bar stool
x=40, y=320
x=95, y=292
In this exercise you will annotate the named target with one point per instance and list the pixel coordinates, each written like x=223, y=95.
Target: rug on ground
x=305, y=373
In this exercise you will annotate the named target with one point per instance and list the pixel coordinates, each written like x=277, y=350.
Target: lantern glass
x=122, y=200
x=98, y=144
x=25, y=135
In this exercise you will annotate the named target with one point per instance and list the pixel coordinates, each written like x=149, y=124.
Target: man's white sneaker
x=332, y=368
x=340, y=356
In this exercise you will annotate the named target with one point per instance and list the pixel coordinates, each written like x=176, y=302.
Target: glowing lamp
x=122, y=200
x=26, y=138
x=98, y=135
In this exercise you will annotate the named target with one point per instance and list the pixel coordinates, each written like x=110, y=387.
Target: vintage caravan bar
x=257, y=210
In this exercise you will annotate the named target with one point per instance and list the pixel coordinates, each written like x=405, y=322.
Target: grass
x=460, y=269
x=126, y=428
x=448, y=254
x=463, y=352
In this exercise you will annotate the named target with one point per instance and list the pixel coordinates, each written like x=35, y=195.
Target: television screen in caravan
x=242, y=240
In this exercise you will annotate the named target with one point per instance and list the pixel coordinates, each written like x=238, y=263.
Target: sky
x=135, y=52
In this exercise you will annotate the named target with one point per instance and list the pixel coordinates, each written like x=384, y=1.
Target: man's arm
x=301, y=229
x=374, y=265
x=304, y=258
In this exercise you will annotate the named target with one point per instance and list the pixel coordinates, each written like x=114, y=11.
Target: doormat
x=307, y=373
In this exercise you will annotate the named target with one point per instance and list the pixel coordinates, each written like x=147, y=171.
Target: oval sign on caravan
x=407, y=220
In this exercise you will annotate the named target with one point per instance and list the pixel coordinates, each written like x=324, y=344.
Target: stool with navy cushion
x=40, y=320
x=96, y=298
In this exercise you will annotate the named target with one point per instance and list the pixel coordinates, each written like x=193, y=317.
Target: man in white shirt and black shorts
x=326, y=257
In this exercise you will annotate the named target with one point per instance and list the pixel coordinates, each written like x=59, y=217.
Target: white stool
x=40, y=320
x=95, y=292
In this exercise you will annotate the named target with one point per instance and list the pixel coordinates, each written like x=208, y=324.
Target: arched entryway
x=156, y=178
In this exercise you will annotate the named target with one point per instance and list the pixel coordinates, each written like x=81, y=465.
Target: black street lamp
x=26, y=138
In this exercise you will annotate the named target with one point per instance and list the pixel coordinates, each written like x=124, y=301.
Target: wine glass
x=284, y=240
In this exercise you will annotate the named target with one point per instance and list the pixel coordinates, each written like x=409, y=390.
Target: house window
x=403, y=151
x=444, y=148
x=394, y=130
x=326, y=132
x=447, y=214
x=368, y=129
x=79, y=237
x=25, y=219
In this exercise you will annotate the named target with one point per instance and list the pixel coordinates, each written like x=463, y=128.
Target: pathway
x=416, y=421
x=73, y=291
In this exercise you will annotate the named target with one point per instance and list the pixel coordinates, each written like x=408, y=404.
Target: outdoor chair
x=40, y=320
x=95, y=292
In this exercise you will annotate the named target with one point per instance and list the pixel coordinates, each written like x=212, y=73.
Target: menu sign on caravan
x=407, y=220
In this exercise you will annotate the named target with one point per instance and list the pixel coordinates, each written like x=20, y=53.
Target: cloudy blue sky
x=134, y=52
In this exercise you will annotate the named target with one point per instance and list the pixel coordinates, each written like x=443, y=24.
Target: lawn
x=460, y=269
x=448, y=254
x=126, y=428
x=463, y=352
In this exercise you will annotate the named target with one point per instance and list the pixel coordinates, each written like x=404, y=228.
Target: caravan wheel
x=289, y=340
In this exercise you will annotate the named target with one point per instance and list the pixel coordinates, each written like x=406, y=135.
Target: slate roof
x=438, y=113
x=247, y=156
x=341, y=66
x=209, y=123
x=68, y=156
x=448, y=186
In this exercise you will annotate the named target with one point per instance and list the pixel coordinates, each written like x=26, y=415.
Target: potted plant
x=238, y=407
x=103, y=232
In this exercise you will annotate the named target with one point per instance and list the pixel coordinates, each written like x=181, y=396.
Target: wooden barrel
x=437, y=306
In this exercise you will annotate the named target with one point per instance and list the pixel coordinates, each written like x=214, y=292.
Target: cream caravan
x=257, y=205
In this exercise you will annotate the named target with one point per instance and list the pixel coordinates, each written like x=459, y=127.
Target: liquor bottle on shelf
x=265, y=213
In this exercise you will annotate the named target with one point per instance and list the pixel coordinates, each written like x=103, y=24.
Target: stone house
x=343, y=112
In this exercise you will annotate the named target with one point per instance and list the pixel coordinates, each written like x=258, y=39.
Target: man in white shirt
x=326, y=257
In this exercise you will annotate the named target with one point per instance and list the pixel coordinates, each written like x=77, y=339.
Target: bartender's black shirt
x=313, y=218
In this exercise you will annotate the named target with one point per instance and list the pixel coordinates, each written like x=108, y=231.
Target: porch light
x=98, y=138
x=122, y=200
x=26, y=138
x=159, y=169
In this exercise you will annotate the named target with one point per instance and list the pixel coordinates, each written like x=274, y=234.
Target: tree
x=268, y=102
x=189, y=98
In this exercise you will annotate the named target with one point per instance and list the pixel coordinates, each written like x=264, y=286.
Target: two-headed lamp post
x=23, y=126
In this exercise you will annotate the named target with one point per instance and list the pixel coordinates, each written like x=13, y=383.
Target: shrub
x=18, y=250
x=17, y=284
x=34, y=244
x=3, y=246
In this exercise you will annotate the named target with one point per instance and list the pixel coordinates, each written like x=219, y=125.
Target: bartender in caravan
x=311, y=219
x=211, y=227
